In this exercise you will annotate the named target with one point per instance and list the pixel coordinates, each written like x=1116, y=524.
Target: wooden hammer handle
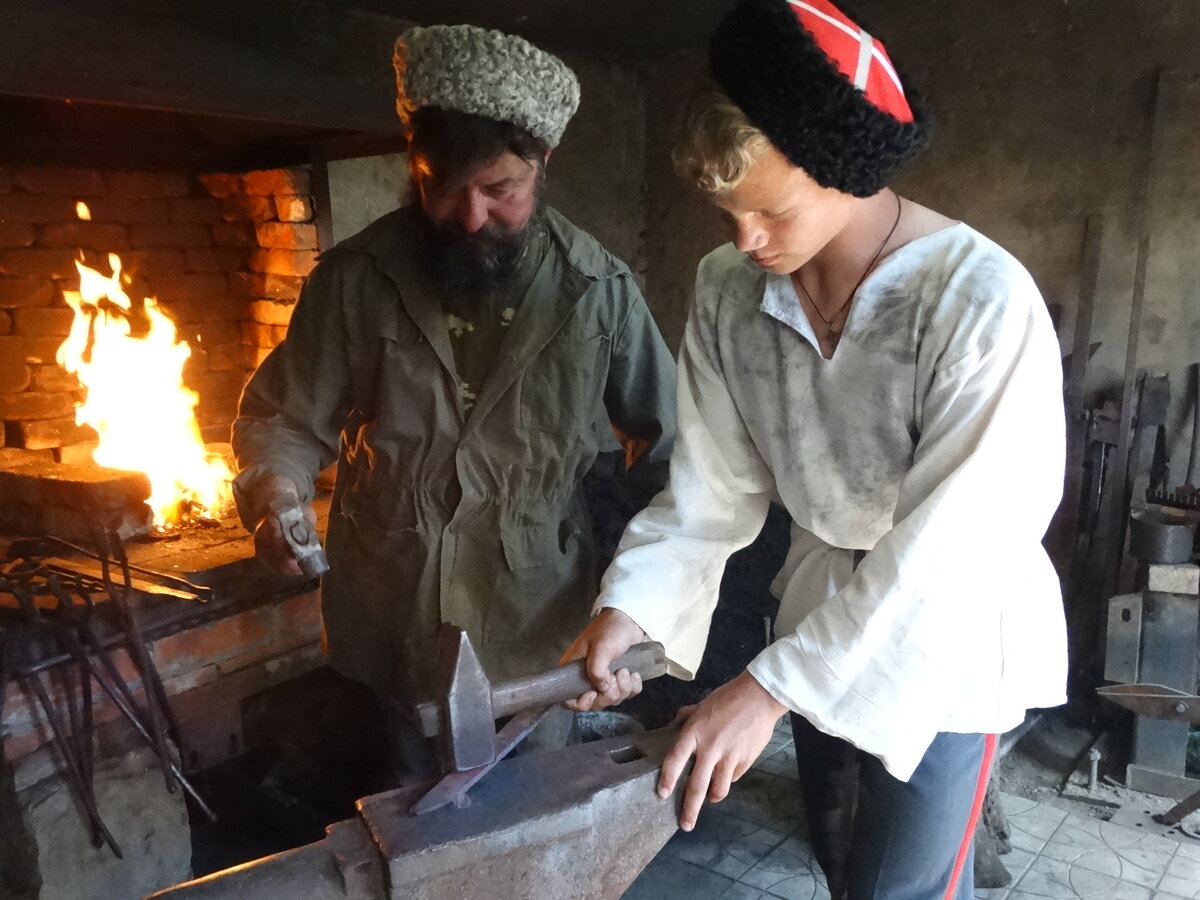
x=564, y=683
x=568, y=682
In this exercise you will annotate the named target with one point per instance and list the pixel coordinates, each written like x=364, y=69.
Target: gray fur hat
x=485, y=73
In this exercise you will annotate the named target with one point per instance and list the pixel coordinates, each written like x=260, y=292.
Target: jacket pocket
x=528, y=546
x=564, y=385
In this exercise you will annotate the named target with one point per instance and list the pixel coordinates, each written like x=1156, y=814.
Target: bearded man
x=464, y=359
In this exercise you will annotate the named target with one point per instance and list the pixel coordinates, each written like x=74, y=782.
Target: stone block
x=234, y=234
x=16, y=234
x=146, y=185
x=17, y=456
x=27, y=291
x=195, y=210
x=44, y=322
x=48, y=434
x=69, y=182
x=221, y=184
x=130, y=211
x=91, y=235
x=14, y=349
x=1177, y=579
x=36, y=209
x=53, y=378
x=269, y=312
x=35, y=405
x=73, y=487
x=215, y=259
x=170, y=235
x=152, y=264
x=283, y=262
x=38, y=262
x=243, y=208
x=277, y=181
x=266, y=285
x=287, y=236
x=14, y=377
x=293, y=208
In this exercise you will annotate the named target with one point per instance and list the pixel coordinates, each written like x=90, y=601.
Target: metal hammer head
x=467, y=738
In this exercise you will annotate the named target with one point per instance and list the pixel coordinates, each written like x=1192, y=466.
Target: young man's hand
x=725, y=733
x=607, y=636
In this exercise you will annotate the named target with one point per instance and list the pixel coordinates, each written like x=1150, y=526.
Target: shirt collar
x=781, y=303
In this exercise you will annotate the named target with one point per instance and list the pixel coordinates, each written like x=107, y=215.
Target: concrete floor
x=752, y=846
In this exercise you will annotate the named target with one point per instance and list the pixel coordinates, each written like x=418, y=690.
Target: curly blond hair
x=717, y=145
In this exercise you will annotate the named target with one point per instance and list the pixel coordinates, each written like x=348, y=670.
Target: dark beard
x=462, y=262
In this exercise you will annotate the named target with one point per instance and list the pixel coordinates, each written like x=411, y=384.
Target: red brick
x=13, y=377
x=50, y=433
x=72, y=182
x=152, y=264
x=234, y=234
x=92, y=235
x=36, y=262
x=6, y=322
x=11, y=457
x=73, y=487
x=212, y=643
x=221, y=184
x=215, y=259
x=226, y=357
x=218, y=384
x=212, y=333
x=268, y=312
x=5, y=180
x=170, y=235
x=28, y=349
x=147, y=185
x=221, y=410
x=80, y=454
x=257, y=334
x=50, y=322
x=193, y=312
x=255, y=356
x=26, y=292
x=301, y=613
x=293, y=208
x=130, y=211
x=31, y=405
x=277, y=181
x=53, y=379
x=243, y=207
x=16, y=234
x=36, y=209
x=273, y=287
x=198, y=210
x=283, y=262
x=287, y=236
x=193, y=286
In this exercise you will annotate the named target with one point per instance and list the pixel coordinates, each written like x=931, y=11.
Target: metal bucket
x=1158, y=537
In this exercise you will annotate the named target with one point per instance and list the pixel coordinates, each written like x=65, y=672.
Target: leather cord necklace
x=831, y=331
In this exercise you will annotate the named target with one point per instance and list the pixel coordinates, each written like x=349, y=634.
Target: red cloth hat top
x=859, y=57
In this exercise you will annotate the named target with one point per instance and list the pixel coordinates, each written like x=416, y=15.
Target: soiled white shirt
x=933, y=438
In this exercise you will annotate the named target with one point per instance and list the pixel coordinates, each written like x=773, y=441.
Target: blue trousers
x=879, y=838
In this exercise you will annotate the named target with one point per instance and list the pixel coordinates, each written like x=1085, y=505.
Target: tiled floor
x=752, y=846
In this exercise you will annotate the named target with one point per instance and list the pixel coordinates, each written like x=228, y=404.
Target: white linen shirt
x=933, y=438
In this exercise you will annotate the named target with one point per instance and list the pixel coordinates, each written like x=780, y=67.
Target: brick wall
x=224, y=255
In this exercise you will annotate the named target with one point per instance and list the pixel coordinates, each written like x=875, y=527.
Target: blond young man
x=891, y=377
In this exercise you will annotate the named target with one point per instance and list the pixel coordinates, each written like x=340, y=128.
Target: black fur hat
x=773, y=69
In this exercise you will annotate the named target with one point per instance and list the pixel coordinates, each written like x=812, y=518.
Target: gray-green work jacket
x=440, y=515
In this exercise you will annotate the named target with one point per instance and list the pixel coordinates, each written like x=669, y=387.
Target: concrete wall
x=1043, y=117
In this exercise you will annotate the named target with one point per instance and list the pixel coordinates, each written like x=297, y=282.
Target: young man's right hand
x=609, y=634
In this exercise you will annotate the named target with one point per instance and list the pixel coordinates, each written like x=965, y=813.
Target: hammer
x=464, y=721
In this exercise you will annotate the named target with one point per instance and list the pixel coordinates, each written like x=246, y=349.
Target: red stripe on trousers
x=989, y=750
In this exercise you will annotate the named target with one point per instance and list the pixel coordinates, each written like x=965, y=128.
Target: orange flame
x=136, y=400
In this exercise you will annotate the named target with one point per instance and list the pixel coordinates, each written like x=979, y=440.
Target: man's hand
x=725, y=732
x=607, y=636
x=269, y=544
